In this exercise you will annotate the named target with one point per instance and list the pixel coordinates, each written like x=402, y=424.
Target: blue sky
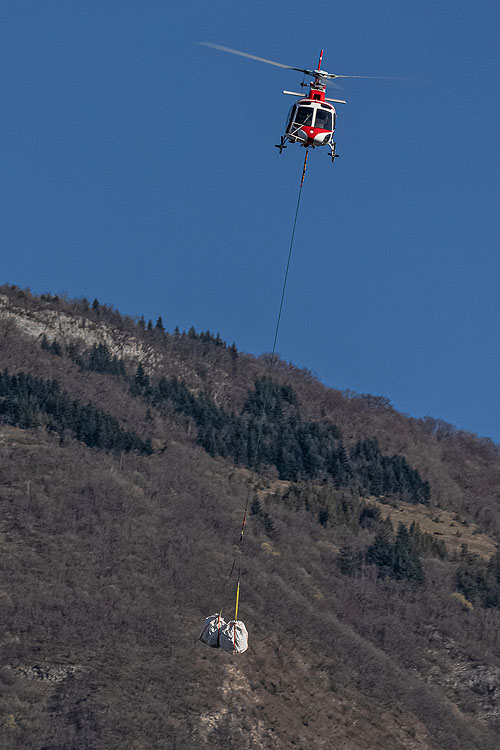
x=139, y=168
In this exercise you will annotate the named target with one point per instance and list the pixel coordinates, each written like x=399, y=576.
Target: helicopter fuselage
x=311, y=123
x=311, y=120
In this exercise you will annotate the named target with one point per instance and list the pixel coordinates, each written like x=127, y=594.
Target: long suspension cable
x=251, y=483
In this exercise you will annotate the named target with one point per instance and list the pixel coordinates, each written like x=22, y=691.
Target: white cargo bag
x=234, y=637
x=212, y=628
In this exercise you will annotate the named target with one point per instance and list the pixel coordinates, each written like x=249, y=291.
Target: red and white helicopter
x=311, y=120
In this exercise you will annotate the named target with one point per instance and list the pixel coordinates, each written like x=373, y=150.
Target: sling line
x=251, y=482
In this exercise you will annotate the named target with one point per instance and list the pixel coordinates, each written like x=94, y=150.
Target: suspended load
x=232, y=636
x=210, y=635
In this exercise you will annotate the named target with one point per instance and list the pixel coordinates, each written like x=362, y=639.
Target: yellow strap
x=237, y=601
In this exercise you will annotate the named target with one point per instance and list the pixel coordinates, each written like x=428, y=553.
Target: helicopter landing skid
x=333, y=152
x=282, y=143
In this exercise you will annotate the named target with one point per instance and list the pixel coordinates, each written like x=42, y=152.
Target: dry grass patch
x=442, y=524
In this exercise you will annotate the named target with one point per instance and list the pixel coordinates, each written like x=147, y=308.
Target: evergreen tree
x=494, y=567
x=472, y=578
x=347, y=561
x=380, y=553
x=255, y=507
x=405, y=560
x=269, y=525
x=29, y=402
x=426, y=493
x=323, y=516
x=140, y=382
x=369, y=517
x=56, y=348
x=99, y=358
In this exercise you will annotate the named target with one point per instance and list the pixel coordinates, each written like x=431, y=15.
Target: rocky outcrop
x=467, y=680
x=61, y=327
x=48, y=673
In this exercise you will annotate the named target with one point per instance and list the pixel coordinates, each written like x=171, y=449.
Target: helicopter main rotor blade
x=322, y=74
x=374, y=78
x=253, y=57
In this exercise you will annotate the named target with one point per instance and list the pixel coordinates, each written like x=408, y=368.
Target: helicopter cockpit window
x=323, y=119
x=304, y=116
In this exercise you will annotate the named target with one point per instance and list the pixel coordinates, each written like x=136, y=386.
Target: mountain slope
x=112, y=556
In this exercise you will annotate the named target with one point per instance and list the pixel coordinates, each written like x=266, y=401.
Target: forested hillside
x=371, y=569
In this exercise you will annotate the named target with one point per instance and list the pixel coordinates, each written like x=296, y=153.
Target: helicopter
x=311, y=120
